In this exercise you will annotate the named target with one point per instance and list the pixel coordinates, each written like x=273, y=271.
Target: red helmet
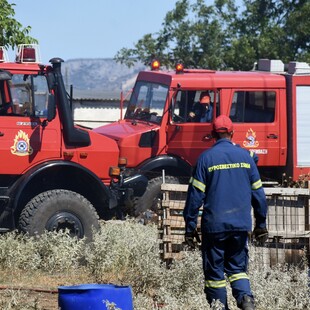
x=223, y=124
x=205, y=100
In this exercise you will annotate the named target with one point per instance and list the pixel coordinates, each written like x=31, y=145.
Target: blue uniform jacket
x=226, y=181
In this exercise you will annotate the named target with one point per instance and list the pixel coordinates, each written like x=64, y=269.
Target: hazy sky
x=89, y=29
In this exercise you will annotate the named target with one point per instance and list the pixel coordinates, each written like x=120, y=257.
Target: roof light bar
x=179, y=68
x=155, y=65
x=28, y=53
x=3, y=55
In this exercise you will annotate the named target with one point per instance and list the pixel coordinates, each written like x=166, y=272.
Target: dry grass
x=127, y=253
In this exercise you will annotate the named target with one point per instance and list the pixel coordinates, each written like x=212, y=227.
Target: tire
x=152, y=195
x=57, y=210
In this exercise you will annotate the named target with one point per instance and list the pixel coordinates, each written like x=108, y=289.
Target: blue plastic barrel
x=94, y=296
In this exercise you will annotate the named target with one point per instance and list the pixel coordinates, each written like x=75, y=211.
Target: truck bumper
x=137, y=183
x=124, y=191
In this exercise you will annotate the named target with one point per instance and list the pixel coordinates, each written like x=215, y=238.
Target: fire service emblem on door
x=250, y=140
x=21, y=145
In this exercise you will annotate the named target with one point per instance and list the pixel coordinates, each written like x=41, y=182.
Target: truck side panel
x=301, y=125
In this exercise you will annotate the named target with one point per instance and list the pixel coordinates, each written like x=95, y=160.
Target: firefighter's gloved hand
x=190, y=238
x=260, y=235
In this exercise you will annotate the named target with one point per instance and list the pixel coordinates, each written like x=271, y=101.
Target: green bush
x=127, y=253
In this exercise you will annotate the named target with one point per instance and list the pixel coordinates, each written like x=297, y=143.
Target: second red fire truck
x=270, y=108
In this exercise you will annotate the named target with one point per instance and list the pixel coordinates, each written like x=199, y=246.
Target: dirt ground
x=9, y=299
x=46, y=301
x=20, y=290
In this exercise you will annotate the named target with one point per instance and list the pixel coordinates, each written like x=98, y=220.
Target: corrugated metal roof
x=96, y=95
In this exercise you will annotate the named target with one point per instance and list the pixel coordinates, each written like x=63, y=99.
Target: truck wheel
x=152, y=195
x=57, y=210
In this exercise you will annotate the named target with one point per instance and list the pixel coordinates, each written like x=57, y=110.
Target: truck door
x=255, y=114
x=24, y=142
x=189, y=130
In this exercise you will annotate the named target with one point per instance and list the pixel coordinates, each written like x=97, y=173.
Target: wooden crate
x=171, y=222
x=287, y=223
x=288, y=211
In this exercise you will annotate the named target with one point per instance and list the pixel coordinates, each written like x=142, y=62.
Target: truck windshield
x=147, y=102
x=30, y=95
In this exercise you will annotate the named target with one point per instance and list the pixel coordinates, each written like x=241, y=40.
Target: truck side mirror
x=51, y=107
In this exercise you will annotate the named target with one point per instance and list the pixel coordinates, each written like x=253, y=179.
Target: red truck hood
x=123, y=129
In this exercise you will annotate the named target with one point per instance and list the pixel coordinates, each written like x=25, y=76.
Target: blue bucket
x=94, y=296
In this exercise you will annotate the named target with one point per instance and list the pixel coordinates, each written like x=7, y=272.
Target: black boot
x=247, y=303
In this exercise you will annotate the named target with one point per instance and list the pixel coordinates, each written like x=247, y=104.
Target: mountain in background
x=101, y=78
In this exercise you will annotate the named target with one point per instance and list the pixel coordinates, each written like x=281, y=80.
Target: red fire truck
x=53, y=174
x=270, y=108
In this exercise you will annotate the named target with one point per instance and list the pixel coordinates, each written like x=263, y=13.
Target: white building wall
x=96, y=113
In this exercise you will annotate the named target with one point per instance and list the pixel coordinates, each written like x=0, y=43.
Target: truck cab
x=158, y=133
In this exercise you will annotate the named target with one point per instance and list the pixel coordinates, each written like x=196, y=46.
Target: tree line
x=224, y=36
x=221, y=36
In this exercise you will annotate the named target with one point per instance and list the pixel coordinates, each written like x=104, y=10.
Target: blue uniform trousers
x=227, y=253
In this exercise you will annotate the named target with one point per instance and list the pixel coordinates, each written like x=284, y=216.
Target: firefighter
x=202, y=111
x=224, y=181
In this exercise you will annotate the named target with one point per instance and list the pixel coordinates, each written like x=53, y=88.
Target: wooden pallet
x=171, y=222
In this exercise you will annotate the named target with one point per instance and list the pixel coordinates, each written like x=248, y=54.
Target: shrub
x=52, y=252
x=127, y=253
